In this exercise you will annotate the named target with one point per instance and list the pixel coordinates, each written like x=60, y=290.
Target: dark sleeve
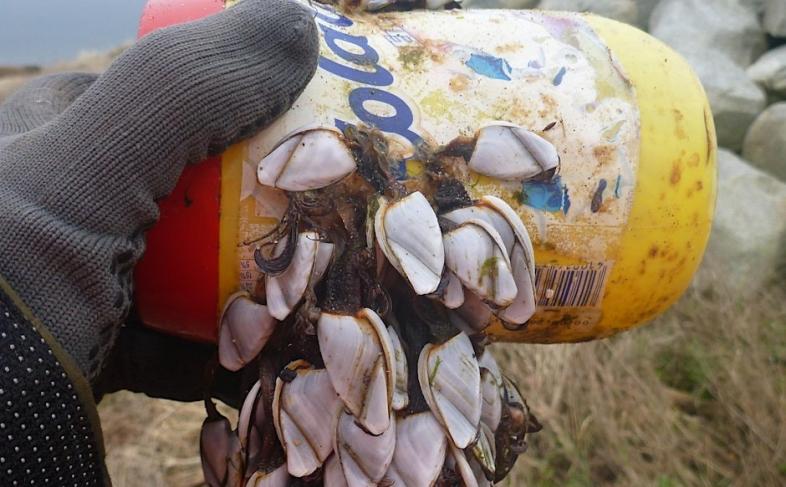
x=166, y=367
x=50, y=433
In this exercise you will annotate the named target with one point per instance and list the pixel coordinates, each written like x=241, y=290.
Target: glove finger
x=41, y=100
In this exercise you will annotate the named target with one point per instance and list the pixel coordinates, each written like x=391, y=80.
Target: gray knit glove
x=83, y=159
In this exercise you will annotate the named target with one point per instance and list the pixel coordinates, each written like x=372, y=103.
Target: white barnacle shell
x=522, y=259
x=408, y=234
x=492, y=388
x=246, y=327
x=483, y=451
x=488, y=215
x=277, y=478
x=518, y=245
x=220, y=452
x=311, y=158
x=244, y=418
x=506, y=151
x=333, y=474
x=449, y=377
x=523, y=306
x=400, y=394
x=519, y=230
x=304, y=415
x=421, y=445
x=252, y=414
x=453, y=295
x=360, y=361
x=309, y=262
x=458, y=461
x=468, y=469
x=475, y=253
x=364, y=457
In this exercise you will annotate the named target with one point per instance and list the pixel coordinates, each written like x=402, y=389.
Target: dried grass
x=152, y=442
x=697, y=398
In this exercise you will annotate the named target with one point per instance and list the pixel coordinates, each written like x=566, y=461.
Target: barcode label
x=570, y=286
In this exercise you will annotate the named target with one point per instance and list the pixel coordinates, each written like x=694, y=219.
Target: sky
x=44, y=31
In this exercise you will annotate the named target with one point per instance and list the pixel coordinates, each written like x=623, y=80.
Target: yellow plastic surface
x=673, y=203
x=231, y=179
x=674, y=200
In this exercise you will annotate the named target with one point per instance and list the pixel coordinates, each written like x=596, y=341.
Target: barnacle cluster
x=365, y=338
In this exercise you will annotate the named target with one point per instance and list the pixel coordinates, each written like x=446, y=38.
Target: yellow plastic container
x=618, y=235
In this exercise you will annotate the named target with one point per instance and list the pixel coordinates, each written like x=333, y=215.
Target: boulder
x=735, y=99
x=756, y=6
x=765, y=144
x=770, y=71
x=645, y=8
x=775, y=17
x=622, y=10
x=723, y=25
x=747, y=243
x=512, y=4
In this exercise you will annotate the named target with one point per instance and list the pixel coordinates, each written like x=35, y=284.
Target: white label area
x=433, y=76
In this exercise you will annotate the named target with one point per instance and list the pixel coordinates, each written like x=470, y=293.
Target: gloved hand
x=84, y=158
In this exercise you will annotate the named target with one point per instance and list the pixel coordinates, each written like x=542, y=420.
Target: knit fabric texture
x=46, y=436
x=83, y=159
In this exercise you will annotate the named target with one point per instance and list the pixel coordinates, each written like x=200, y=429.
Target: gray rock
x=512, y=4
x=756, y=6
x=622, y=10
x=734, y=98
x=748, y=237
x=765, y=144
x=698, y=25
x=645, y=8
x=775, y=17
x=770, y=71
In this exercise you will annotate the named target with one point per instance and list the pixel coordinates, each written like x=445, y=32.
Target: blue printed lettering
x=331, y=16
x=379, y=77
x=397, y=124
x=367, y=58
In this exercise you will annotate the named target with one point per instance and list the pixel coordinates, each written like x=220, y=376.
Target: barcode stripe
x=589, y=292
x=581, y=289
x=604, y=271
x=570, y=286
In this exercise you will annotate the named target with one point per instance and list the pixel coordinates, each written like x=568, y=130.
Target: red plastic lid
x=177, y=280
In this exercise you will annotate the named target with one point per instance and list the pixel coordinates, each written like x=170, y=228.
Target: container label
x=433, y=76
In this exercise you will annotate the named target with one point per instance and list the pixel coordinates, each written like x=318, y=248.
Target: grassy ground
x=697, y=398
